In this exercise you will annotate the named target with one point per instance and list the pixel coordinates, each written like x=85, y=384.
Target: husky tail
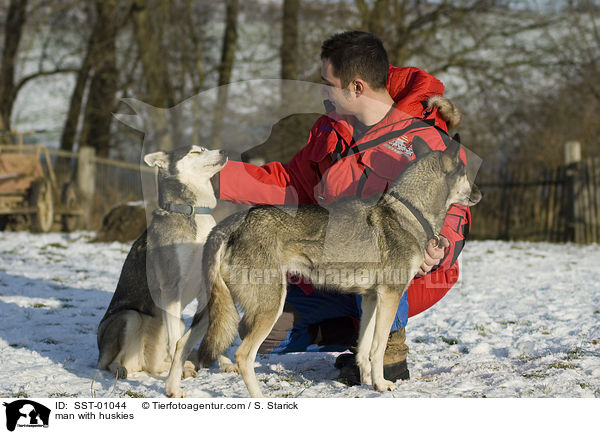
x=223, y=315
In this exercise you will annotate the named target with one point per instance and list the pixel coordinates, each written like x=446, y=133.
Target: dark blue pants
x=295, y=331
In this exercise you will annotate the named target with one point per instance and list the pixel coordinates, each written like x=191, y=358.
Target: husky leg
x=258, y=330
x=387, y=305
x=128, y=359
x=365, y=336
x=182, y=350
x=172, y=318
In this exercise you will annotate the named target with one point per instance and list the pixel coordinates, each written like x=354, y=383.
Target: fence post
x=575, y=207
x=86, y=180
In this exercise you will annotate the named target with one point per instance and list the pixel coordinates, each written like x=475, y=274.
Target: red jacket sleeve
x=425, y=291
x=273, y=183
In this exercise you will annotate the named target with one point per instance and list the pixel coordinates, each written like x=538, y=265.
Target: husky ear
x=157, y=159
x=451, y=156
x=420, y=147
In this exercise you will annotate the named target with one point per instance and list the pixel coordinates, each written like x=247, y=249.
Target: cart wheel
x=68, y=198
x=41, y=198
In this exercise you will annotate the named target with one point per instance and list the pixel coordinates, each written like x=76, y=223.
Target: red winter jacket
x=327, y=168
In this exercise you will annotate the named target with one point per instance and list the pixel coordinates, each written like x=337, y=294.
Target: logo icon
x=26, y=413
x=401, y=145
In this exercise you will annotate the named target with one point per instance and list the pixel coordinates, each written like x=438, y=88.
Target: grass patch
x=40, y=305
x=56, y=245
x=561, y=365
x=449, y=341
x=290, y=379
x=535, y=374
x=67, y=306
x=480, y=330
x=50, y=341
x=130, y=394
x=575, y=354
x=63, y=395
x=21, y=394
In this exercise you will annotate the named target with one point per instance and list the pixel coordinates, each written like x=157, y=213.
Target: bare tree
x=289, y=43
x=225, y=68
x=11, y=84
x=104, y=80
x=69, y=132
x=13, y=30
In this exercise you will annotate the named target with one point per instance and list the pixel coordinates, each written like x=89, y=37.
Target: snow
x=523, y=321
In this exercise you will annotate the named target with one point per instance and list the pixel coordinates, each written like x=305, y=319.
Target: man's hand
x=434, y=253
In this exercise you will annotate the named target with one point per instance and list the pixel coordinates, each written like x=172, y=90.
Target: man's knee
x=342, y=331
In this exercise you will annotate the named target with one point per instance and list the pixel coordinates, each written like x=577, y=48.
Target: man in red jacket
x=357, y=149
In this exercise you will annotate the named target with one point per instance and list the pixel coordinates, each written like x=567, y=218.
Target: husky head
x=437, y=178
x=185, y=172
x=187, y=163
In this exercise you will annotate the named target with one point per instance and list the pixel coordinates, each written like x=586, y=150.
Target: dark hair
x=357, y=54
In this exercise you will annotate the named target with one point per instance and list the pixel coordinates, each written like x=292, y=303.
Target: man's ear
x=157, y=159
x=358, y=86
x=451, y=156
x=420, y=147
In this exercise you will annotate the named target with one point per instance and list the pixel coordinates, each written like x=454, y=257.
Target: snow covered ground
x=524, y=321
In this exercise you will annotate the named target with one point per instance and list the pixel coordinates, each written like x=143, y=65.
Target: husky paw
x=227, y=365
x=175, y=392
x=365, y=378
x=385, y=386
x=119, y=371
x=189, y=370
x=365, y=371
x=232, y=367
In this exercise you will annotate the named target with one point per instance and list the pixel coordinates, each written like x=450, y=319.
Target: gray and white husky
x=161, y=273
x=248, y=255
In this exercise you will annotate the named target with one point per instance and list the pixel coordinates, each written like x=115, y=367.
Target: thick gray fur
x=272, y=241
x=144, y=321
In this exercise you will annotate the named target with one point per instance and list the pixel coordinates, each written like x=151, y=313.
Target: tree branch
x=38, y=74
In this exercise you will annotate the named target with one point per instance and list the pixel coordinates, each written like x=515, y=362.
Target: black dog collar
x=181, y=208
x=418, y=215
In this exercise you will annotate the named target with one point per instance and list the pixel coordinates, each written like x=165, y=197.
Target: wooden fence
x=559, y=205
x=101, y=182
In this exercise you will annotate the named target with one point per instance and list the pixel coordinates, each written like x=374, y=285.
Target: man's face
x=343, y=99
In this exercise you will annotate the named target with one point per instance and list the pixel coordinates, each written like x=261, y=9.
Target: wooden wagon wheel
x=41, y=198
x=68, y=199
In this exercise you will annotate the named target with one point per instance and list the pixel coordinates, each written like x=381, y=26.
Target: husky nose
x=476, y=194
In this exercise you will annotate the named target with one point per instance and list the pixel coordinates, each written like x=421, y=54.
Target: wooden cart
x=28, y=187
